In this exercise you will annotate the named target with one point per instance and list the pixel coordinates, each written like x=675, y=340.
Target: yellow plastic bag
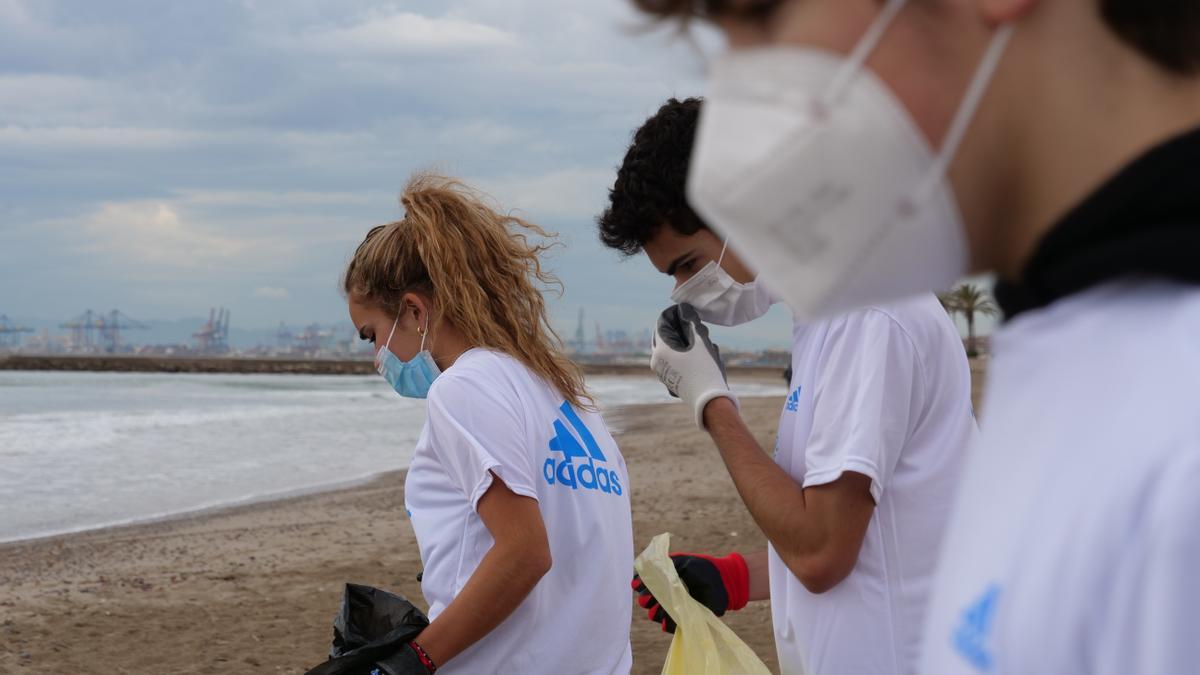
x=703, y=645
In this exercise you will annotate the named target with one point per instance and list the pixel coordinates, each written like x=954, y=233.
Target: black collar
x=1143, y=222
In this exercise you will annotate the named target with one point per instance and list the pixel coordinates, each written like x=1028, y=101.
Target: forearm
x=760, y=578
x=774, y=499
x=503, y=580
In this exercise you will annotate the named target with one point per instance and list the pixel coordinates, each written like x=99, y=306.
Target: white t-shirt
x=1075, y=544
x=885, y=392
x=489, y=413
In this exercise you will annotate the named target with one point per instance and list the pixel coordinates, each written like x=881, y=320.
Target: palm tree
x=947, y=300
x=969, y=300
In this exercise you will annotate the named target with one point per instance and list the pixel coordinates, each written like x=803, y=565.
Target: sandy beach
x=253, y=589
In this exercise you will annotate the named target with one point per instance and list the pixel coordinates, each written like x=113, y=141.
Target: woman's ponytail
x=484, y=274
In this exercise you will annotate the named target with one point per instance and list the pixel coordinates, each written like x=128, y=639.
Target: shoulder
x=916, y=316
x=924, y=326
x=478, y=373
x=910, y=334
x=1126, y=307
x=1139, y=330
x=908, y=321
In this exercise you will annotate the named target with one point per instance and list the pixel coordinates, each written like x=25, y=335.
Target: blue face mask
x=409, y=378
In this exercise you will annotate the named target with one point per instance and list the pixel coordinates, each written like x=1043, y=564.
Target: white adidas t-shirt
x=885, y=392
x=489, y=413
x=1075, y=546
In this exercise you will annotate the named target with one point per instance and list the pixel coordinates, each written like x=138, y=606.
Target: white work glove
x=686, y=362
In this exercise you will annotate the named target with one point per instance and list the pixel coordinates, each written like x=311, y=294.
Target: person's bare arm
x=817, y=531
x=506, y=575
x=760, y=579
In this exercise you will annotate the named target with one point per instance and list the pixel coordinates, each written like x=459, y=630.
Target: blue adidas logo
x=793, y=400
x=974, y=630
x=578, y=476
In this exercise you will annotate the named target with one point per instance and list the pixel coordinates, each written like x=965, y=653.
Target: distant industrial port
x=109, y=341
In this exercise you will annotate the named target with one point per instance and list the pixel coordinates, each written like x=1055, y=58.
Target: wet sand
x=253, y=589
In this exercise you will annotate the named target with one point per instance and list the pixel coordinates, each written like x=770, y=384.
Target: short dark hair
x=650, y=188
x=707, y=9
x=1165, y=31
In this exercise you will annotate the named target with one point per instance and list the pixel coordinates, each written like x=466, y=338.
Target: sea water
x=86, y=450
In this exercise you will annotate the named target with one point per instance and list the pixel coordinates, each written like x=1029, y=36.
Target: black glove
x=720, y=584
x=406, y=661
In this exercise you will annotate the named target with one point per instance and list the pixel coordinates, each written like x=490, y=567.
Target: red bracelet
x=424, y=657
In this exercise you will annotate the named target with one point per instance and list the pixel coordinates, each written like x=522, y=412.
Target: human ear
x=415, y=311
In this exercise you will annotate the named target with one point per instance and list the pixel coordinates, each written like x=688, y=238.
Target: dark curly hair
x=1165, y=31
x=649, y=190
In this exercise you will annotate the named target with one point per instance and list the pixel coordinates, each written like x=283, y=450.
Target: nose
x=682, y=278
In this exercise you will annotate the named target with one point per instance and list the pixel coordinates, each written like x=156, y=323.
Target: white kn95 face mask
x=721, y=300
x=823, y=182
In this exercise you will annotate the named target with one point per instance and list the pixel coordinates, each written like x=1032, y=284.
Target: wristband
x=423, y=656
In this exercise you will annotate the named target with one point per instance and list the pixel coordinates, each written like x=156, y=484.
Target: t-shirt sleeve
x=864, y=396
x=476, y=429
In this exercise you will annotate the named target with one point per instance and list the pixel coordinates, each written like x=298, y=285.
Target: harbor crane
x=10, y=332
x=213, y=336
x=100, y=331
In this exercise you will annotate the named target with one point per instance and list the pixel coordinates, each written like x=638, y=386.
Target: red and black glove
x=720, y=584
x=410, y=659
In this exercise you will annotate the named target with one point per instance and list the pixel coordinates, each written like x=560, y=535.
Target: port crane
x=213, y=336
x=10, y=332
x=92, y=331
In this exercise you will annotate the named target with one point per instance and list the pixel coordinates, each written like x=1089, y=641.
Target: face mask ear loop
x=723, y=247
x=862, y=50
x=388, y=343
x=966, y=110
x=423, y=334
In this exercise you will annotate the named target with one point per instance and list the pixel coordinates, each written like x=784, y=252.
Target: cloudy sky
x=164, y=157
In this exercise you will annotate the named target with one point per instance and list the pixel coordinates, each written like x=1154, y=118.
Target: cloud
x=48, y=98
x=278, y=199
x=193, y=229
x=270, y=293
x=483, y=131
x=157, y=156
x=153, y=232
x=30, y=37
x=78, y=137
x=408, y=33
x=191, y=249
x=574, y=193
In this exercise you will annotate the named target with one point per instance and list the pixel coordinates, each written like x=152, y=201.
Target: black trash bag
x=372, y=625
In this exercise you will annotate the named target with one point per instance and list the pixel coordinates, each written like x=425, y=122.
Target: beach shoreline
x=162, y=446
x=253, y=588
x=217, y=509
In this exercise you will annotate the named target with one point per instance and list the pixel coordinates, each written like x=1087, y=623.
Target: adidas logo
x=971, y=637
x=578, y=476
x=793, y=400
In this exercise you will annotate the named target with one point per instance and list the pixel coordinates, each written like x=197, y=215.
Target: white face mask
x=821, y=179
x=721, y=300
